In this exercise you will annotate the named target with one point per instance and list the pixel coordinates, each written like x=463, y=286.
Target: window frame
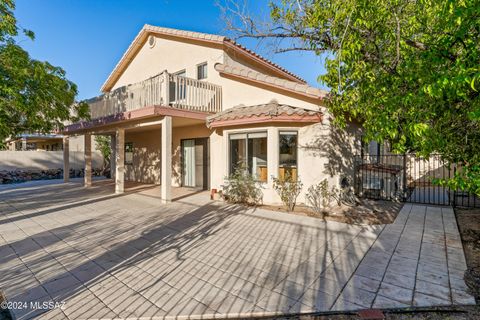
x=206, y=70
x=229, y=152
x=286, y=132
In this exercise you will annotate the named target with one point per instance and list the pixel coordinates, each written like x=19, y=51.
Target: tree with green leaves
x=35, y=96
x=103, y=144
x=409, y=70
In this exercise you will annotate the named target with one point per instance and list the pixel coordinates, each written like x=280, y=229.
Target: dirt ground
x=458, y=313
x=469, y=226
x=366, y=212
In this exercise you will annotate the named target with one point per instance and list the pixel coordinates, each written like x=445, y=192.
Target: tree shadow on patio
x=162, y=247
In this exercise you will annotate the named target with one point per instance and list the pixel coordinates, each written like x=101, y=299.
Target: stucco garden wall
x=43, y=160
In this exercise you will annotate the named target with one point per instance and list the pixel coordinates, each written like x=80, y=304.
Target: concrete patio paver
x=104, y=256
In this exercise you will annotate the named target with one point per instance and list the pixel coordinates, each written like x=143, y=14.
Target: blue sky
x=88, y=37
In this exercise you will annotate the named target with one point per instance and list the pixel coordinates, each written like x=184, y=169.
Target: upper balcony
x=164, y=89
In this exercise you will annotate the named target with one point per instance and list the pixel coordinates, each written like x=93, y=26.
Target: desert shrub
x=241, y=187
x=288, y=189
x=319, y=196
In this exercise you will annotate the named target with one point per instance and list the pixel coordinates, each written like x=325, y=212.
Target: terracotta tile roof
x=142, y=36
x=249, y=74
x=271, y=110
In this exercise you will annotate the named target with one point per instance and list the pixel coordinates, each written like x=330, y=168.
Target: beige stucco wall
x=180, y=133
x=145, y=167
x=236, y=92
x=172, y=56
x=42, y=160
x=324, y=152
x=146, y=156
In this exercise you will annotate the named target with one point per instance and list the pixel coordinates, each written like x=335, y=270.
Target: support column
x=166, y=165
x=24, y=144
x=88, y=160
x=272, y=154
x=120, y=161
x=112, y=155
x=66, y=159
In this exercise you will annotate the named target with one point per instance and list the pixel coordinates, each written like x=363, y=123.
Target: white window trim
x=273, y=151
x=246, y=132
x=289, y=131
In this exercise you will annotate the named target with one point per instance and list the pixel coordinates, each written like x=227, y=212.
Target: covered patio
x=158, y=168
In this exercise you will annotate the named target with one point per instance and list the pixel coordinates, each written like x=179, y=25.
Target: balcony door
x=195, y=164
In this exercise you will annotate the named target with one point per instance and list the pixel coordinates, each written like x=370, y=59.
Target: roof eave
x=142, y=36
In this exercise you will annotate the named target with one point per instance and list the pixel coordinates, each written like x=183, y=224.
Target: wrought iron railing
x=408, y=178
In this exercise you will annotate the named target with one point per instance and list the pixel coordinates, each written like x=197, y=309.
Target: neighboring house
x=186, y=108
x=24, y=142
x=42, y=142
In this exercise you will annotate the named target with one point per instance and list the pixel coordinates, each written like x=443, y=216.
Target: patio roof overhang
x=272, y=112
x=131, y=117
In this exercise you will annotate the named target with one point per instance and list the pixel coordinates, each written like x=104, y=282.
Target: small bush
x=288, y=189
x=241, y=187
x=319, y=197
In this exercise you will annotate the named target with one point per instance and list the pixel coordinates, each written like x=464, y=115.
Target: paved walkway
x=103, y=256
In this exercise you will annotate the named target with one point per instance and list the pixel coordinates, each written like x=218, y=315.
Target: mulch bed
x=368, y=212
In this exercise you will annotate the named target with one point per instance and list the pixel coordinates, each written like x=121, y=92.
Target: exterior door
x=195, y=163
x=188, y=156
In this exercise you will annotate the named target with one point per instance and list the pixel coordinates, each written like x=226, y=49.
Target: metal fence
x=408, y=178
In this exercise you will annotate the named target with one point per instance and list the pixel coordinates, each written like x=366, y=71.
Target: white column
x=88, y=160
x=120, y=161
x=272, y=154
x=66, y=159
x=166, y=166
x=24, y=144
x=112, y=155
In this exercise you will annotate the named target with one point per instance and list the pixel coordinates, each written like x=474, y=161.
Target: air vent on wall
x=151, y=41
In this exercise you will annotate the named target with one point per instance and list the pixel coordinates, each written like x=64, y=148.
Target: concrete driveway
x=70, y=252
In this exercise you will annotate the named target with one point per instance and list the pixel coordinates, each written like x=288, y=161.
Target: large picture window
x=249, y=151
x=288, y=145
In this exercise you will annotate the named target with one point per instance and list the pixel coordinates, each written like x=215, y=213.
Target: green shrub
x=241, y=187
x=288, y=189
x=319, y=196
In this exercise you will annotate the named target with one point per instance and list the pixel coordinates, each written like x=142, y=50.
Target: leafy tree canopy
x=408, y=69
x=35, y=96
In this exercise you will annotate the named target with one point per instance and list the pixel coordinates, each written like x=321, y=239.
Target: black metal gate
x=408, y=178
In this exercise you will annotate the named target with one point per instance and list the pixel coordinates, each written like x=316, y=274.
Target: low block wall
x=43, y=160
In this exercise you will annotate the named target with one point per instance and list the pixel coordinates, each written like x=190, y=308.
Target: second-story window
x=202, y=71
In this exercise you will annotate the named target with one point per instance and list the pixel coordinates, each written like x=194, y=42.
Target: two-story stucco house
x=186, y=108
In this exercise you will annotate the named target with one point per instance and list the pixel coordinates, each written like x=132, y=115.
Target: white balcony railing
x=165, y=90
